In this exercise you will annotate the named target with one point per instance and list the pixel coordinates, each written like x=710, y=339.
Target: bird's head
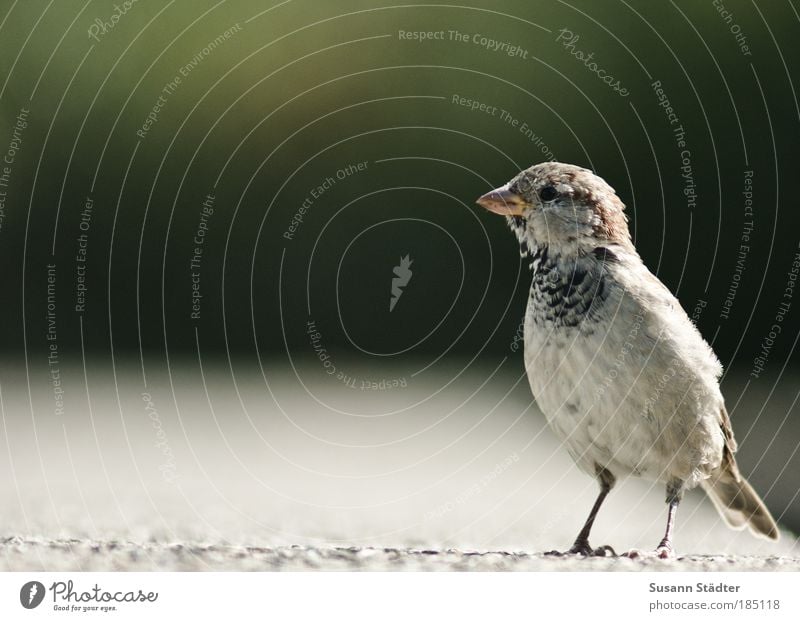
x=561, y=206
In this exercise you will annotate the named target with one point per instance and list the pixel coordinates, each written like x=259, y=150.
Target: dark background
x=308, y=88
x=294, y=96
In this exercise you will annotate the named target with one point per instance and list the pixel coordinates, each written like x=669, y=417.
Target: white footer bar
x=388, y=596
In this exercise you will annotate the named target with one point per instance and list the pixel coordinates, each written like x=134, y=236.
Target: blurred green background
x=275, y=98
x=303, y=90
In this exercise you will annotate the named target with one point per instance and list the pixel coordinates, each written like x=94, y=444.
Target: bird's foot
x=664, y=550
x=605, y=550
x=583, y=548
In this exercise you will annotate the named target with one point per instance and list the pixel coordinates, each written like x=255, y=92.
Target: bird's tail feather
x=738, y=503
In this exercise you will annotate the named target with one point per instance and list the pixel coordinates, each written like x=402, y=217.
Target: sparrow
x=622, y=375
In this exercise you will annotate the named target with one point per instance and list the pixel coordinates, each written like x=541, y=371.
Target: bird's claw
x=583, y=548
x=605, y=550
x=665, y=551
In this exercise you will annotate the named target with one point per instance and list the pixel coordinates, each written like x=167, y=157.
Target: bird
x=620, y=372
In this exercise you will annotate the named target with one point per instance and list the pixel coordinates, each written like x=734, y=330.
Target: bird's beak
x=503, y=202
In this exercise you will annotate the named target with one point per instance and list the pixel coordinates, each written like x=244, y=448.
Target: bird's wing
x=673, y=324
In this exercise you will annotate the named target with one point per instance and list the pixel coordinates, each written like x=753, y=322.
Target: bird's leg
x=581, y=545
x=674, y=495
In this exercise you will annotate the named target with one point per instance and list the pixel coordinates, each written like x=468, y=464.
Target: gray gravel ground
x=455, y=480
x=66, y=555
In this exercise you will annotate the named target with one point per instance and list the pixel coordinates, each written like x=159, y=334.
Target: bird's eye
x=547, y=193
